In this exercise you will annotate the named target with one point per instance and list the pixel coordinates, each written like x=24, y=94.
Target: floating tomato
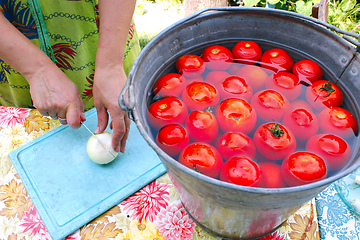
x=334, y=150
x=214, y=77
x=170, y=85
x=169, y=110
x=276, y=59
x=172, y=139
x=202, y=126
x=302, y=122
x=236, y=115
x=190, y=65
x=246, y=52
x=307, y=71
x=270, y=105
x=254, y=75
x=234, y=87
x=322, y=94
x=217, y=57
x=241, y=171
x=271, y=173
x=200, y=95
x=232, y=144
x=203, y=158
x=285, y=83
x=274, y=141
x=338, y=121
x=302, y=168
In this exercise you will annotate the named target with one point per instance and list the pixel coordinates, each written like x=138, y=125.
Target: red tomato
x=307, y=71
x=200, y=95
x=169, y=110
x=271, y=173
x=203, y=158
x=300, y=104
x=270, y=105
x=170, y=85
x=234, y=87
x=241, y=171
x=255, y=76
x=274, y=141
x=202, y=126
x=321, y=94
x=334, y=150
x=302, y=168
x=246, y=52
x=285, y=83
x=338, y=121
x=276, y=59
x=234, y=144
x=190, y=65
x=234, y=68
x=236, y=115
x=302, y=122
x=214, y=77
x=217, y=57
x=172, y=139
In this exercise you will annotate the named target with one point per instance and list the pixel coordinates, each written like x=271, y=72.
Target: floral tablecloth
x=153, y=213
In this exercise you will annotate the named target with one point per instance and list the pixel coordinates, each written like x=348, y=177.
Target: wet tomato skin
x=232, y=144
x=271, y=173
x=214, y=77
x=302, y=122
x=338, y=121
x=172, y=139
x=234, y=87
x=285, y=83
x=246, y=52
x=170, y=85
x=217, y=57
x=274, y=141
x=190, y=65
x=322, y=94
x=301, y=168
x=270, y=105
x=254, y=75
x=202, y=126
x=241, y=171
x=307, y=71
x=203, y=158
x=334, y=150
x=236, y=115
x=200, y=95
x=169, y=110
x=276, y=59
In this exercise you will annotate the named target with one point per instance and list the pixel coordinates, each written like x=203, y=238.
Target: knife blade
x=96, y=137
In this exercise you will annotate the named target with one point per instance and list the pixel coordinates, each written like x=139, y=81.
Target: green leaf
x=316, y=1
x=251, y=3
x=347, y=5
x=273, y=1
x=304, y=8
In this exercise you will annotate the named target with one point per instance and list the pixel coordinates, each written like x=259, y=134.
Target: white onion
x=97, y=152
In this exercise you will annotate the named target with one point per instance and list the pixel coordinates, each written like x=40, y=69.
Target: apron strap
x=44, y=39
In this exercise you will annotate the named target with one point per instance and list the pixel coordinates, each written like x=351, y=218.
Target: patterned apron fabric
x=68, y=32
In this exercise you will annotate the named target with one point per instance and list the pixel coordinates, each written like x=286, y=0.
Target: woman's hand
x=55, y=95
x=108, y=83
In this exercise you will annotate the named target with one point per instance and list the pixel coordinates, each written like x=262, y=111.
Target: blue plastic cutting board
x=67, y=188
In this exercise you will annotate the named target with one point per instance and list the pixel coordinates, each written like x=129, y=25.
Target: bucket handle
x=348, y=36
x=127, y=103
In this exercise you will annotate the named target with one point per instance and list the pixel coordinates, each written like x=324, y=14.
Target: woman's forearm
x=18, y=51
x=115, y=20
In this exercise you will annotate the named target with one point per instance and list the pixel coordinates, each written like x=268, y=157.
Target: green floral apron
x=67, y=31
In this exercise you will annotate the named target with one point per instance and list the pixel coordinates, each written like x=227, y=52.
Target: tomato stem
x=276, y=131
x=328, y=88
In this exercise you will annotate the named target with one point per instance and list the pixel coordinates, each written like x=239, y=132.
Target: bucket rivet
x=353, y=70
x=343, y=60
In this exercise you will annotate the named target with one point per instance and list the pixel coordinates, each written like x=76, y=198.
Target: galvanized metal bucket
x=225, y=209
